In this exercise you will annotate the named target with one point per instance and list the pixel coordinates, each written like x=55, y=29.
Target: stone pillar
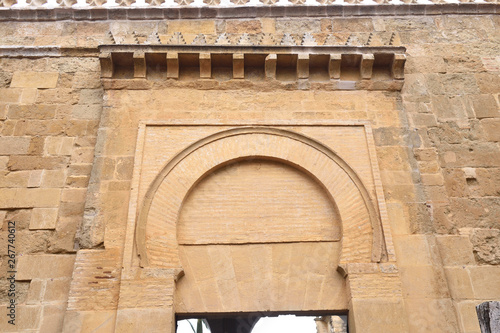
x=147, y=301
x=489, y=317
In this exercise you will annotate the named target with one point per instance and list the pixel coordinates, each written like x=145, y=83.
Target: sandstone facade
x=223, y=160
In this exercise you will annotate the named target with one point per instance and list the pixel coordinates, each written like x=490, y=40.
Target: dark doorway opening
x=263, y=323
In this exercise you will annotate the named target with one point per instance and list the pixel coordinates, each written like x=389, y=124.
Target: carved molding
x=384, y=64
x=155, y=236
x=109, y=4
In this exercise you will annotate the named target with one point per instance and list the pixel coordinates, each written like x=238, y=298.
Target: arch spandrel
x=156, y=226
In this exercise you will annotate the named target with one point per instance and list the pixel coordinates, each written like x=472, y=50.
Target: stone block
x=475, y=212
x=191, y=26
x=433, y=179
x=467, y=316
x=29, y=95
x=30, y=321
x=14, y=145
x=425, y=154
x=23, y=162
x=82, y=155
x=491, y=128
x=243, y=26
x=488, y=83
x=393, y=158
x=379, y=315
x=423, y=120
x=485, y=243
x=412, y=250
x=424, y=282
x=14, y=179
x=3, y=214
x=3, y=162
x=34, y=79
x=56, y=145
x=90, y=96
x=87, y=111
x=53, y=317
x=485, y=106
x=35, y=178
x=485, y=281
x=448, y=107
x=455, y=250
x=57, y=290
x=35, y=292
x=53, y=178
x=74, y=194
x=10, y=95
x=431, y=315
x=45, y=266
x=374, y=285
x=144, y=320
x=455, y=183
x=391, y=177
x=459, y=282
x=43, y=218
x=89, y=321
x=32, y=197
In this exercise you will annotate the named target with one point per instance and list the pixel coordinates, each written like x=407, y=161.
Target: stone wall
x=68, y=142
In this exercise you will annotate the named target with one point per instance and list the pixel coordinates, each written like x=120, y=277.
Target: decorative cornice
x=86, y=4
x=335, y=67
x=97, y=11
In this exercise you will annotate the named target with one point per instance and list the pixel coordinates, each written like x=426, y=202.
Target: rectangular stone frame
x=358, y=275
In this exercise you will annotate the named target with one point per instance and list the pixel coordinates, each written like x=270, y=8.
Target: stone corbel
x=270, y=66
x=334, y=66
x=238, y=66
x=342, y=270
x=139, y=65
x=172, y=65
x=107, y=67
x=398, y=66
x=366, y=68
x=205, y=66
x=303, y=66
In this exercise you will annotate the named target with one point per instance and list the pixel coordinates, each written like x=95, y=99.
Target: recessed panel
x=257, y=201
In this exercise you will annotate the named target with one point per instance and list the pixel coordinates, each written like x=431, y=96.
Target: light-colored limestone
x=45, y=266
x=455, y=250
x=485, y=281
x=436, y=143
x=468, y=317
x=34, y=79
x=14, y=145
x=21, y=197
x=43, y=218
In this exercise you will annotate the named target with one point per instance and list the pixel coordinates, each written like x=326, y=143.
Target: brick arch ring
x=362, y=233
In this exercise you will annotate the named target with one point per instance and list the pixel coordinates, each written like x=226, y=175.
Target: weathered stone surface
x=34, y=79
x=455, y=250
x=45, y=266
x=433, y=169
x=43, y=218
x=486, y=245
